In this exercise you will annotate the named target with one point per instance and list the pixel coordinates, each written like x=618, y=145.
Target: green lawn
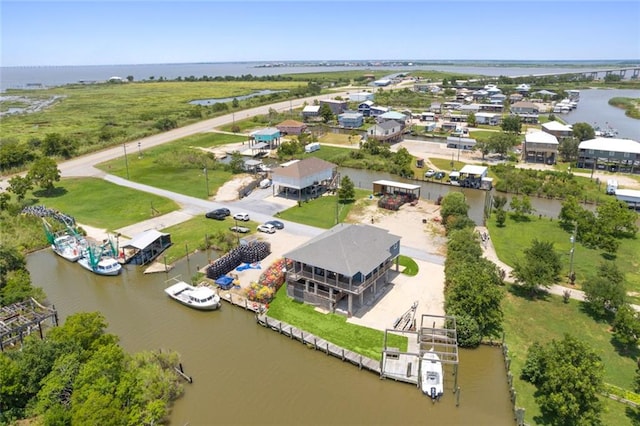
x=322, y=211
x=168, y=166
x=445, y=164
x=332, y=327
x=527, y=321
x=102, y=204
x=512, y=239
x=411, y=267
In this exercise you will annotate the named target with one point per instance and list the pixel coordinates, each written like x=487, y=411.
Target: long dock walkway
x=318, y=343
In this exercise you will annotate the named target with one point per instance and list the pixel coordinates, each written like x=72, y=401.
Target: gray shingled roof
x=347, y=249
x=307, y=167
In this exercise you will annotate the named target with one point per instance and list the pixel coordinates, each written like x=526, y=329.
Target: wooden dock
x=241, y=301
x=318, y=343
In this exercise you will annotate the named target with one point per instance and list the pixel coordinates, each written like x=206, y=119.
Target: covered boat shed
x=145, y=247
x=386, y=187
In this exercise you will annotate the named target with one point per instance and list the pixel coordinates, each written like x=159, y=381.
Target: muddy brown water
x=246, y=374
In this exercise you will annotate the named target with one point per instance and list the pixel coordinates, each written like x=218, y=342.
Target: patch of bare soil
x=229, y=191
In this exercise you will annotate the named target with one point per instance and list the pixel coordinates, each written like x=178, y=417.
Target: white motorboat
x=68, y=247
x=198, y=297
x=107, y=265
x=431, y=377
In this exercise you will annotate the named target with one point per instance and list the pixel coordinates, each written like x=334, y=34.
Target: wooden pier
x=318, y=343
x=19, y=320
x=241, y=301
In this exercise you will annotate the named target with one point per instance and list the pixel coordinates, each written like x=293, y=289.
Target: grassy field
x=322, y=211
x=513, y=238
x=107, y=114
x=332, y=327
x=527, y=321
x=176, y=166
x=98, y=203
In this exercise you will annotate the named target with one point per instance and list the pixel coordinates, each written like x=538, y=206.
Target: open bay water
x=23, y=77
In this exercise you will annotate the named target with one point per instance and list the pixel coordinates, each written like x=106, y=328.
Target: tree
x=467, y=331
x=606, y=291
x=511, y=124
x=501, y=143
x=326, y=113
x=540, y=266
x=568, y=378
x=569, y=149
x=235, y=103
x=483, y=146
x=616, y=219
x=453, y=204
x=165, y=124
x=626, y=327
x=236, y=163
x=20, y=186
x=56, y=144
x=44, y=172
x=347, y=190
x=471, y=120
x=521, y=206
x=583, y=131
x=501, y=217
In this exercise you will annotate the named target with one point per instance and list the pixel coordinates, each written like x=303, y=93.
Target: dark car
x=218, y=214
x=440, y=175
x=276, y=224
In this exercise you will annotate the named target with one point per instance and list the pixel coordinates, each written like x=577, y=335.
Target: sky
x=162, y=31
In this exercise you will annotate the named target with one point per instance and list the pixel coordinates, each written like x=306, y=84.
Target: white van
x=612, y=186
x=311, y=147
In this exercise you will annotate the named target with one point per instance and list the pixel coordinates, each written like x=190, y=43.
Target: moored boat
x=105, y=266
x=198, y=297
x=68, y=247
x=431, y=377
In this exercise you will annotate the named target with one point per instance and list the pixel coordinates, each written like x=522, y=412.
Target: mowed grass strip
x=102, y=204
x=322, y=211
x=332, y=327
x=511, y=240
x=527, y=321
x=167, y=166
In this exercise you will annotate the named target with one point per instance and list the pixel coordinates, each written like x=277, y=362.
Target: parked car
x=218, y=214
x=440, y=175
x=265, y=183
x=265, y=227
x=241, y=216
x=429, y=173
x=239, y=229
x=276, y=224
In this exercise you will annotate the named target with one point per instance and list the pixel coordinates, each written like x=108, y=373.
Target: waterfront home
x=388, y=131
x=614, y=155
x=268, y=138
x=557, y=129
x=291, y=127
x=364, y=108
x=342, y=269
x=350, y=119
x=524, y=108
x=540, y=147
x=305, y=178
x=392, y=115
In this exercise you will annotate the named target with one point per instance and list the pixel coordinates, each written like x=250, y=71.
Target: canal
x=244, y=373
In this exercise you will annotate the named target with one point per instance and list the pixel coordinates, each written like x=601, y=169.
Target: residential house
x=364, y=108
x=490, y=118
x=304, y=178
x=392, y=115
x=375, y=111
x=515, y=97
x=311, y=111
x=540, y=147
x=497, y=98
x=350, y=119
x=343, y=269
x=523, y=89
x=612, y=154
x=336, y=106
x=268, y=138
x=291, y=127
x=557, y=129
x=524, y=107
x=387, y=131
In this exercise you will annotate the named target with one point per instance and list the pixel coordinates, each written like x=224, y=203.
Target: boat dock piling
x=182, y=374
x=318, y=344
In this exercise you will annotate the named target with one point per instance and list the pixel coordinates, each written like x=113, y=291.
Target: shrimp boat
x=100, y=260
x=200, y=297
x=431, y=377
x=68, y=247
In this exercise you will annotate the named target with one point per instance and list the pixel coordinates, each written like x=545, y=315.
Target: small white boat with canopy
x=200, y=297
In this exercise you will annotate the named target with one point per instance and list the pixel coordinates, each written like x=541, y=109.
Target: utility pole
x=573, y=249
x=206, y=179
x=126, y=161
